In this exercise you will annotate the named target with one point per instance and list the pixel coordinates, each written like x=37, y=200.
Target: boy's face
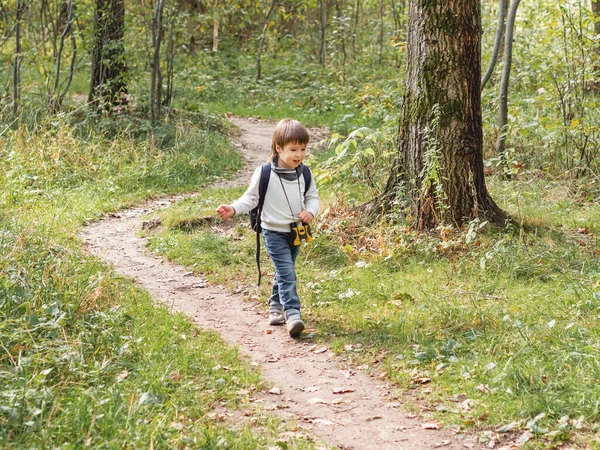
x=291, y=155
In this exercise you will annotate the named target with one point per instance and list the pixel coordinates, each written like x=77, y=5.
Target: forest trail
x=361, y=417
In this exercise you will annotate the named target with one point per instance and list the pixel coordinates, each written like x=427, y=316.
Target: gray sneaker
x=295, y=325
x=276, y=316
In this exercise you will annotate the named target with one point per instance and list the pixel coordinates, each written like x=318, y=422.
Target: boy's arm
x=249, y=200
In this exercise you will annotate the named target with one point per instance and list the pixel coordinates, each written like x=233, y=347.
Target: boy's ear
x=278, y=148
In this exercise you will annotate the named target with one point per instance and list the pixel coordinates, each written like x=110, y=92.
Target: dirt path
x=307, y=377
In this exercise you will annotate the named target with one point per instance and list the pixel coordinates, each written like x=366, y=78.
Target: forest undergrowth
x=86, y=358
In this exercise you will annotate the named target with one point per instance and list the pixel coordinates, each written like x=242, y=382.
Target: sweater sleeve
x=312, y=201
x=249, y=200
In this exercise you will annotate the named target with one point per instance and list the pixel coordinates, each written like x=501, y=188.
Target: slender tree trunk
x=155, y=76
x=215, y=47
x=16, y=94
x=323, y=22
x=342, y=36
x=355, y=28
x=397, y=28
x=596, y=11
x=55, y=99
x=503, y=104
x=109, y=71
x=497, y=43
x=439, y=169
x=381, y=26
x=262, y=39
x=170, y=66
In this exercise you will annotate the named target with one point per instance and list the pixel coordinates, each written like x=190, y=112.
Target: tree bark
x=503, y=104
x=156, y=76
x=355, y=28
x=262, y=40
x=438, y=175
x=215, y=46
x=109, y=71
x=323, y=22
x=16, y=94
x=497, y=44
x=596, y=11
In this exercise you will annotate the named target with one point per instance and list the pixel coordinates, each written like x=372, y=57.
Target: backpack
x=255, y=220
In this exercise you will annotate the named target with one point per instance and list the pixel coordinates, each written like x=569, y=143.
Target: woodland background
x=104, y=104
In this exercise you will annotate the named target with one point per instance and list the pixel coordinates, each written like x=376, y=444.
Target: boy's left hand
x=306, y=216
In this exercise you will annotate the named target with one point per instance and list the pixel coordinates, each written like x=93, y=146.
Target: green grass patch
x=506, y=317
x=86, y=358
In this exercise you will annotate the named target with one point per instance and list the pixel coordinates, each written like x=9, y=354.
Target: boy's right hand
x=225, y=212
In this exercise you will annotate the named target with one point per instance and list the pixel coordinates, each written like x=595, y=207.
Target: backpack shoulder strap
x=307, y=178
x=263, y=184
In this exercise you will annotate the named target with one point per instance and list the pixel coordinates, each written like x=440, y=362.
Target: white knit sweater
x=276, y=214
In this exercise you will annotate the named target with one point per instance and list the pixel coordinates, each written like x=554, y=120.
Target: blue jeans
x=284, y=292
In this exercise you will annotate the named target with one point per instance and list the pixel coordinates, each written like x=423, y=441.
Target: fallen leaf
x=269, y=331
x=484, y=388
x=422, y=380
x=508, y=427
x=347, y=373
x=275, y=391
x=342, y=390
x=441, y=444
x=321, y=350
x=272, y=359
x=316, y=400
x=430, y=426
x=369, y=419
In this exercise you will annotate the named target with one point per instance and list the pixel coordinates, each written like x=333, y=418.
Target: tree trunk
x=355, y=27
x=170, y=66
x=16, y=94
x=262, y=40
x=55, y=99
x=497, y=43
x=323, y=22
x=156, y=76
x=109, y=71
x=503, y=103
x=439, y=169
x=215, y=46
x=596, y=11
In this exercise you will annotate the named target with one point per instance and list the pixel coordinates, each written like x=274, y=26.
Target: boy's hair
x=286, y=131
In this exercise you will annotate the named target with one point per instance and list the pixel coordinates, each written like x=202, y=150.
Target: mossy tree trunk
x=109, y=71
x=439, y=175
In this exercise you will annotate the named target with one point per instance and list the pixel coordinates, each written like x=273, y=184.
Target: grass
x=86, y=358
x=507, y=317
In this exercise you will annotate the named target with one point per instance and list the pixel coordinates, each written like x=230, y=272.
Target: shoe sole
x=296, y=328
x=277, y=321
